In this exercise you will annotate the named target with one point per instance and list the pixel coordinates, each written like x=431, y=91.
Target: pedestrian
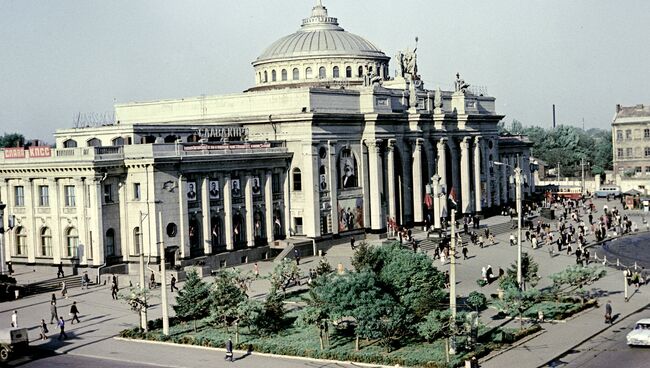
x=44, y=330
x=256, y=270
x=59, y=271
x=608, y=312
x=10, y=268
x=74, y=312
x=480, y=241
x=172, y=283
x=512, y=239
x=54, y=315
x=61, y=325
x=114, y=290
x=465, y=251
x=14, y=319
x=54, y=299
x=152, y=281
x=229, y=354
x=352, y=242
x=85, y=281
x=114, y=279
x=296, y=255
x=64, y=290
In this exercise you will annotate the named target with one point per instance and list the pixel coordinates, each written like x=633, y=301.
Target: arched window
x=171, y=139
x=46, y=242
x=193, y=138
x=335, y=72
x=266, y=77
x=72, y=242
x=321, y=72
x=308, y=73
x=119, y=141
x=360, y=72
x=137, y=240
x=258, y=226
x=297, y=179
x=259, y=75
x=110, y=242
x=347, y=169
x=21, y=241
x=348, y=72
x=284, y=74
x=296, y=74
x=273, y=76
x=70, y=143
x=94, y=142
x=217, y=231
x=147, y=139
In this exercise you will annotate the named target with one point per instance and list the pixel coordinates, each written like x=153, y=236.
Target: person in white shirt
x=14, y=319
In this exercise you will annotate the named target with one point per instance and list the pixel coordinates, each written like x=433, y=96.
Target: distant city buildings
x=631, y=147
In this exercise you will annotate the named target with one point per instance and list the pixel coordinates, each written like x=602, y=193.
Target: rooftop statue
x=461, y=85
x=407, y=63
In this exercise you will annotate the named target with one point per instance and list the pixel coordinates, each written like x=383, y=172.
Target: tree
x=529, y=269
x=516, y=301
x=225, y=298
x=477, y=301
x=438, y=324
x=573, y=280
x=324, y=268
x=12, y=140
x=247, y=314
x=272, y=317
x=284, y=274
x=314, y=315
x=192, y=302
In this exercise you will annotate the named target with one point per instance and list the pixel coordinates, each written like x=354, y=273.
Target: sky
x=62, y=58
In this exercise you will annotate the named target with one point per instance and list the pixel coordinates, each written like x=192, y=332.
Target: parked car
x=608, y=191
x=13, y=342
x=640, y=335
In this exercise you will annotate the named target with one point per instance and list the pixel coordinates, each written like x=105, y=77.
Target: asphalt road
x=609, y=349
x=635, y=248
x=41, y=358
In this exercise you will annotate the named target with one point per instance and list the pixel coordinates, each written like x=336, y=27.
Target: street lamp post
x=163, y=279
x=452, y=281
x=2, y=239
x=517, y=177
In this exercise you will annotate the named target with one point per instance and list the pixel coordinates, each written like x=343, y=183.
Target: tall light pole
x=2, y=240
x=452, y=280
x=163, y=278
x=517, y=176
x=143, y=311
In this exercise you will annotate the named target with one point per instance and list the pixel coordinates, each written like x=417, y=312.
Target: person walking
x=352, y=242
x=54, y=315
x=61, y=325
x=44, y=330
x=608, y=312
x=172, y=283
x=256, y=270
x=64, y=290
x=59, y=271
x=465, y=251
x=296, y=255
x=114, y=290
x=229, y=354
x=54, y=299
x=152, y=281
x=14, y=319
x=74, y=312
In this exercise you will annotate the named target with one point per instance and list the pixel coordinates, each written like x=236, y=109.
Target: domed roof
x=320, y=35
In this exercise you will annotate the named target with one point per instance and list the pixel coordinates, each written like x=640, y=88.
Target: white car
x=640, y=336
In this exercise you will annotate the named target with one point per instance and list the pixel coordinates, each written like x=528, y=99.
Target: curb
x=293, y=357
x=512, y=346
x=547, y=363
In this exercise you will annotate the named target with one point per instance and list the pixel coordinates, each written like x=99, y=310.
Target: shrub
x=477, y=301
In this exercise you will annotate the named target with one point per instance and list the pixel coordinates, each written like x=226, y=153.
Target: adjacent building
x=631, y=147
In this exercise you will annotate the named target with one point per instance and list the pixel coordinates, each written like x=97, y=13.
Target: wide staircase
x=52, y=285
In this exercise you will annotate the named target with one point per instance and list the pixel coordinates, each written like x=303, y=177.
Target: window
x=72, y=241
x=321, y=72
x=69, y=196
x=628, y=134
x=137, y=240
x=348, y=72
x=108, y=193
x=110, y=242
x=275, y=183
x=266, y=77
x=70, y=143
x=19, y=196
x=297, y=179
x=296, y=74
x=646, y=133
x=647, y=170
x=619, y=153
x=360, y=72
x=638, y=170
x=94, y=142
x=273, y=76
x=119, y=141
x=619, y=135
x=284, y=74
x=335, y=72
x=628, y=152
x=43, y=196
x=298, y=221
x=46, y=242
x=21, y=241
x=647, y=151
x=136, y=191
x=308, y=73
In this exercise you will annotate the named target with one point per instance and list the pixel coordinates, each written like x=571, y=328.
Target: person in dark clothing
x=229, y=354
x=54, y=315
x=465, y=251
x=74, y=312
x=296, y=255
x=114, y=290
x=10, y=268
x=59, y=272
x=608, y=312
x=172, y=283
x=61, y=325
x=352, y=242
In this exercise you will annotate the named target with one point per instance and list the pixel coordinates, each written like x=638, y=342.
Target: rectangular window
x=43, y=196
x=275, y=183
x=19, y=196
x=647, y=170
x=628, y=152
x=647, y=151
x=108, y=193
x=136, y=191
x=619, y=153
x=628, y=134
x=637, y=170
x=297, y=180
x=298, y=221
x=619, y=135
x=70, y=200
x=646, y=133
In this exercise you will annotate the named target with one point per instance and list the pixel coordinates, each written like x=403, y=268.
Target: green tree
x=476, y=301
x=571, y=282
x=314, y=315
x=225, y=298
x=12, y=140
x=283, y=274
x=248, y=313
x=192, y=301
x=529, y=269
x=324, y=267
x=273, y=313
x=438, y=324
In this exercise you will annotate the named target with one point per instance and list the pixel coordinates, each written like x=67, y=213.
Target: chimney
x=553, y=116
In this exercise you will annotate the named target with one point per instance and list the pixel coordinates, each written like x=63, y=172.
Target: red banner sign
x=14, y=152
x=40, y=151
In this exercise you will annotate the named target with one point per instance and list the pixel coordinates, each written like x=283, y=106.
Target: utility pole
x=558, y=176
x=143, y=310
x=582, y=168
x=163, y=279
x=3, y=265
x=518, y=194
x=452, y=281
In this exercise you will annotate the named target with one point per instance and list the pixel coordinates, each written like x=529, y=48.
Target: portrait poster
x=236, y=188
x=191, y=191
x=257, y=189
x=215, y=191
x=350, y=214
x=323, y=182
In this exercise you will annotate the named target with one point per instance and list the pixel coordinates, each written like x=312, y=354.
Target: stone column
x=376, y=184
x=268, y=205
x=333, y=181
x=392, y=193
x=250, y=211
x=30, y=224
x=184, y=223
x=205, y=216
x=227, y=212
x=486, y=169
x=465, y=195
x=455, y=174
x=97, y=219
x=477, y=174
x=287, y=203
x=418, y=199
x=364, y=180
x=504, y=181
x=84, y=241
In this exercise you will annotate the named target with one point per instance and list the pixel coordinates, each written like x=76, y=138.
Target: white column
x=364, y=181
x=465, y=177
x=418, y=199
x=442, y=162
x=504, y=181
x=392, y=193
x=333, y=181
x=477, y=174
x=183, y=219
x=97, y=221
x=486, y=169
x=455, y=173
x=268, y=205
x=30, y=222
x=376, y=184
x=227, y=212
x=205, y=216
x=287, y=203
x=248, y=218
x=84, y=241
